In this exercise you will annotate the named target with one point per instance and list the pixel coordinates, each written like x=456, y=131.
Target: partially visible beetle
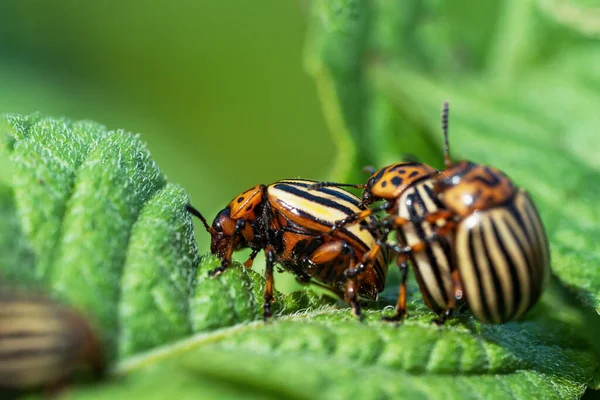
x=42, y=343
x=292, y=225
x=469, y=232
x=499, y=241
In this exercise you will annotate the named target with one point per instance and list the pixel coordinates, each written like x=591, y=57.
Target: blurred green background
x=217, y=89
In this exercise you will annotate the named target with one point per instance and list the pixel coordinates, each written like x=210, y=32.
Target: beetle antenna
x=320, y=185
x=445, y=111
x=197, y=214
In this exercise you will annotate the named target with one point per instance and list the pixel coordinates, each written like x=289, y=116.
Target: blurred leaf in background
x=217, y=88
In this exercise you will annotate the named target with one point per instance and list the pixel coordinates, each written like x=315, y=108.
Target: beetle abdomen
x=433, y=266
x=503, y=258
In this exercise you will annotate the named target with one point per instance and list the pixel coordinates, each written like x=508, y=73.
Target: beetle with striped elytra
x=43, y=343
x=292, y=224
x=469, y=232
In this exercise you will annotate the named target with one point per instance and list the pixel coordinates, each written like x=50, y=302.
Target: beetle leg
x=401, y=305
x=443, y=317
x=270, y=256
x=250, y=260
x=458, y=289
x=351, y=297
x=420, y=246
x=434, y=217
x=442, y=231
x=330, y=251
x=359, y=216
x=393, y=222
x=226, y=262
x=351, y=289
x=368, y=258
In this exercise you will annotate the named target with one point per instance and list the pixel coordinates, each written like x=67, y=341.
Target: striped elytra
x=503, y=258
x=43, y=343
x=293, y=226
x=499, y=243
x=434, y=264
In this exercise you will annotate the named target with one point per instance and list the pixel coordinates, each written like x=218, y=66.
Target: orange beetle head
x=389, y=182
x=222, y=234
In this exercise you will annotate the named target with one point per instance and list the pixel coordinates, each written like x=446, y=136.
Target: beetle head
x=467, y=186
x=221, y=234
x=389, y=182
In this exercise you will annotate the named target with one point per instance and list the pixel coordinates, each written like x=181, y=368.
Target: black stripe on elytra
x=336, y=192
x=532, y=255
x=519, y=215
x=354, y=239
x=432, y=195
x=478, y=277
x=536, y=239
x=498, y=288
x=514, y=275
x=417, y=200
x=539, y=242
x=289, y=188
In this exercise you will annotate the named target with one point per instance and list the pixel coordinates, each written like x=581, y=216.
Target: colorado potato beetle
x=42, y=343
x=292, y=225
x=469, y=232
x=499, y=241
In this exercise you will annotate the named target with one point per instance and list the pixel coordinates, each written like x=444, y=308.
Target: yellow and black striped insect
x=468, y=230
x=499, y=241
x=43, y=343
x=292, y=225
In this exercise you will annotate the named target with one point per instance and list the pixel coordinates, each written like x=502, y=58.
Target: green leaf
x=14, y=247
x=161, y=237
x=327, y=353
x=237, y=296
